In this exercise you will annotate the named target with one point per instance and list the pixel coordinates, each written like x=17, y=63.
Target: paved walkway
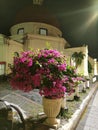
x=85, y=123
x=89, y=120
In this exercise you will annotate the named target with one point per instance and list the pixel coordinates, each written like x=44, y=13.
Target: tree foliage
x=78, y=57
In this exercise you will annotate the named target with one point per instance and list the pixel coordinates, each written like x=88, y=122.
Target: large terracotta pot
x=70, y=97
x=52, y=108
x=63, y=105
x=77, y=91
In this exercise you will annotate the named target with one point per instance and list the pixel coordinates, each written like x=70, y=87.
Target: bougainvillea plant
x=45, y=70
x=41, y=69
x=72, y=78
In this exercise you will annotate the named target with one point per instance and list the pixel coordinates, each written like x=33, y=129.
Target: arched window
x=20, y=31
x=16, y=54
x=43, y=31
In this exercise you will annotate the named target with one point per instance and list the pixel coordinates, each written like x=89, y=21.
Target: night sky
x=78, y=19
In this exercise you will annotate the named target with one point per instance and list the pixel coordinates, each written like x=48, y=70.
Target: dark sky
x=78, y=19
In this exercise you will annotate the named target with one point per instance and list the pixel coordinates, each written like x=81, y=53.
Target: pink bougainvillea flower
x=45, y=70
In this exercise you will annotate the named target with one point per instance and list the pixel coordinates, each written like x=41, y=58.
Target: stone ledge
x=72, y=122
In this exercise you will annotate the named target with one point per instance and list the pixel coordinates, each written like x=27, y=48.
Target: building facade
x=36, y=31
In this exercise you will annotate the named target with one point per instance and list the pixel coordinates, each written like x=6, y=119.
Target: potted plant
x=72, y=81
x=47, y=71
x=44, y=70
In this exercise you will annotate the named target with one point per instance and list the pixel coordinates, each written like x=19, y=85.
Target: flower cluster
x=43, y=69
x=72, y=79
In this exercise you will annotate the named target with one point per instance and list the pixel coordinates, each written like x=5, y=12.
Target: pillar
x=95, y=67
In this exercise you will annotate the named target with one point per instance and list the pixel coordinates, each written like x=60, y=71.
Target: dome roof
x=36, y=13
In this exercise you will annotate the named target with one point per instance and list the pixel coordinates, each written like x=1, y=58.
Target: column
x=95, y=67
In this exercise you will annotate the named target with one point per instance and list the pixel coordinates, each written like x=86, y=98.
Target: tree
x=78, y=57
x=89, y=67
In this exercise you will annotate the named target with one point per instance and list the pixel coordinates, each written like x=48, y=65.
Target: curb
x=72, y=122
